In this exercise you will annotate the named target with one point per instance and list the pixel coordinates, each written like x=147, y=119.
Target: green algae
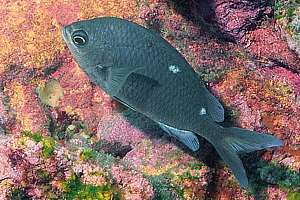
x=48, y=147
x=37, y=137
x=88, y=154
x=263, y=174
x=196, y=165
x=47, y=142
x=75, y=189
x=293, y=196
x=164, y=190
x=285, y=9
x=188, y=176
x=282, y=176
x=43, y=176
x=18, y=194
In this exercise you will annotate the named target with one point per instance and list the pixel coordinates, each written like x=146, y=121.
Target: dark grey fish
x=144, y=72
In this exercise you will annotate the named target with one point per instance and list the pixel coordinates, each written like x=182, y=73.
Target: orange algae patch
x=154, y=158
x=158, y=158
x=255, y=88
x=125, y=9
x=232, y=79
x=192, y=181
x=24, y=103
x=282, y=91
x=266, y=101
x=18, y=103
x=31, y=30
x=18, y=95
x=30, y=36
x=152, y=171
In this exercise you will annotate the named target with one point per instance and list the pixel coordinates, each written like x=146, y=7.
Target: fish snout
x=65, y=32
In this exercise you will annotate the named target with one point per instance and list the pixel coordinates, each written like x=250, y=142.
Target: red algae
x=255, y=90
x=227, y=187
x=265, y=43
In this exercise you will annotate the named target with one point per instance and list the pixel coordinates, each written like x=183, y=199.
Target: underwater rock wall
x=63, y=138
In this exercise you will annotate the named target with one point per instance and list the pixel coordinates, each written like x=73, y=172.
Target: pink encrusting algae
x=276, y=193
x=6, y=170
x=117, y=129
x=132, y=184
x=80, y=97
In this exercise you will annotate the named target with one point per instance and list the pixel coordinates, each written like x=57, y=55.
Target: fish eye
x=80, y=38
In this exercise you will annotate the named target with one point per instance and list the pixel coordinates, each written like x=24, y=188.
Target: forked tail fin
x=229, y=142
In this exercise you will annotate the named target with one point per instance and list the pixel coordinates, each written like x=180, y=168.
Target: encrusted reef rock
x=238, y=16
x=62, y=137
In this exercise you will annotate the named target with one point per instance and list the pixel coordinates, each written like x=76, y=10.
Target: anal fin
x=186, y=137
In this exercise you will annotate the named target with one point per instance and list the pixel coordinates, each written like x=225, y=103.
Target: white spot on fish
x=174, y=69
x=202, y=111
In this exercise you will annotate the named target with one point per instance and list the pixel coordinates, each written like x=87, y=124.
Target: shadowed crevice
x=201, y=13
x=116, y=149
x=216, y=16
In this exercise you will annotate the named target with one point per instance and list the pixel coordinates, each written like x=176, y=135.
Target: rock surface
x=61, y=137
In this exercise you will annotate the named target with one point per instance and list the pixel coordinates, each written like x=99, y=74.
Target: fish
x=139, y=68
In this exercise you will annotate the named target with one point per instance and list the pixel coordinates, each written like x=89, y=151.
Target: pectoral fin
x=137, y=90
x=186, y=137
x=131, y=78
x=117, y=79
